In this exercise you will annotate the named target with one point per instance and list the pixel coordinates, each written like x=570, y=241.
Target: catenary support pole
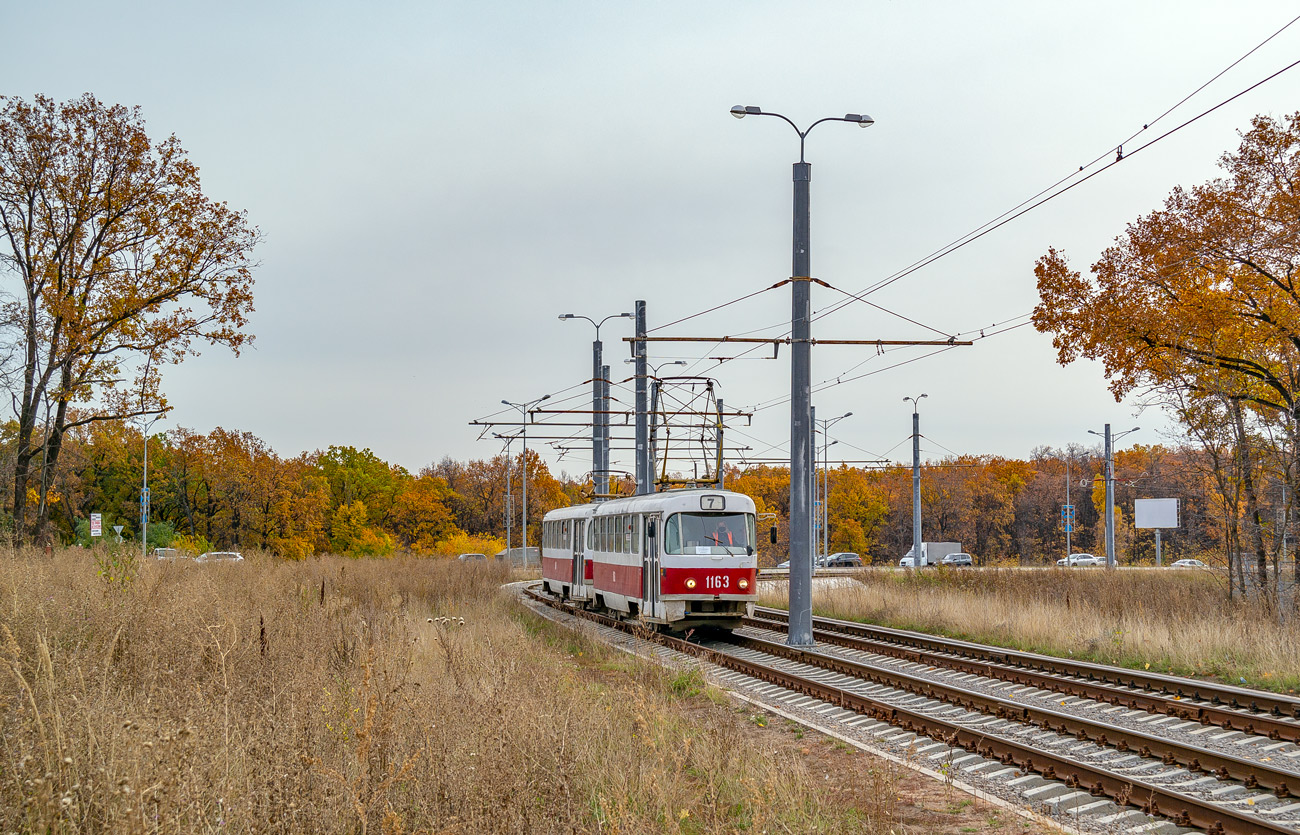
x=603, y=420
x=1110, y=501
x=800, y=414
x=917, y=556
x=599, y=472
x=642, y=417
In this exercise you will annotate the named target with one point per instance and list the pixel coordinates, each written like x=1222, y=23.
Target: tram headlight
x=690, y=582
x=744, y=584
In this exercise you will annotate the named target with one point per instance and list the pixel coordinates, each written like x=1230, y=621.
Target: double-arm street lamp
x=1110, y=488
x=916, y=480
x=144, y=493
x=825, y=496
x=599, y=407
x=801, y=452
x=523, y=419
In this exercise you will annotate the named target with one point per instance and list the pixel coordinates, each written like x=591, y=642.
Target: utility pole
x=721, y=471
x=916, y=481
x=1110, y=501
x=605, y=427
x=599, y=407
x=510, y=504
x=1110, y=489
x=644, y=481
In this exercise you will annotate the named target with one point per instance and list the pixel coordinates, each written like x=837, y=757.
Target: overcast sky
x=436, y=182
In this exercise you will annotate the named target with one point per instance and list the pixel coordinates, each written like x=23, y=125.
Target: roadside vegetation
x=1177, y=622
x=386, y=696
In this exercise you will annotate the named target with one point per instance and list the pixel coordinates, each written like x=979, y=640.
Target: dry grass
x=1170, y=621
x=376, y=696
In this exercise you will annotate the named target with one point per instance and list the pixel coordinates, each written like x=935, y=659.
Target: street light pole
x=800, y=633
x=144, y=494
x=599, y=418
x=916, y=480
x=510, y=515
x=523, y=419
x=825, y=489
x=1110, y=490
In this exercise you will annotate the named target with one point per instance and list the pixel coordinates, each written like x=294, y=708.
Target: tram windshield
x=709, y=533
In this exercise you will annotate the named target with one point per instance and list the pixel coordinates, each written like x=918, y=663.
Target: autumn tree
x=1202, y=297
x=118, y=264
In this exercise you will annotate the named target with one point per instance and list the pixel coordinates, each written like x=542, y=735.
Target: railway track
x=1083, y=761
x=1234, y=708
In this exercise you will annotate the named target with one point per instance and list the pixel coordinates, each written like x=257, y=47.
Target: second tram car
x=680, y=559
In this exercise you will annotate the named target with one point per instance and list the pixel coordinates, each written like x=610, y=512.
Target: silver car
x=220, y=556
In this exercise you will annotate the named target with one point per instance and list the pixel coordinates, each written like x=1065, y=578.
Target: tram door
x=578, y=567
x=650, y=565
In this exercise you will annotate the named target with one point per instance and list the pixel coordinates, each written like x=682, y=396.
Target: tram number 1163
x=717, y=582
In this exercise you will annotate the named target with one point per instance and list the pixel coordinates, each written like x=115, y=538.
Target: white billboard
x=1155, y=513
x=96, y=524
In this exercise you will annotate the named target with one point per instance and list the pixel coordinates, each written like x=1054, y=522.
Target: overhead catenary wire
x=1052, y=192
x=1023, y=208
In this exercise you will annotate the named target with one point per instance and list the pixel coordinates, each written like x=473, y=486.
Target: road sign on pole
x=96, y=524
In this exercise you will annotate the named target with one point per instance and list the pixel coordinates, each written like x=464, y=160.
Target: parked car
x=472, y=557
x=843, y=559
x=957, y=559
x=906, y=562
x=166, y=553
x=785, y=564
x=1078, y=559
x=220, y=556
x=1188, y=564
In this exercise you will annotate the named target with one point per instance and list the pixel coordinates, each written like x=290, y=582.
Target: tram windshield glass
x=709, y=533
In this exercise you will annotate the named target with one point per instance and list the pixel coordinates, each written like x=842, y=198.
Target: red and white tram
x=683, y=558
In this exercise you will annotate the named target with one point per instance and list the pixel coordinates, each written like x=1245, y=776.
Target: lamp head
x=506, y=403
x=740, y=111
x=863, y=120
x=627, y=315
x=566, y=315
x=544, y=397
x=848, y=414
x=1135, y=428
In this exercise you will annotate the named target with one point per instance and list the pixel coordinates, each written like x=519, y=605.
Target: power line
x=1033, y=203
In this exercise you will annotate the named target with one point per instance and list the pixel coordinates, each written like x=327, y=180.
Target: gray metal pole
x=598, y=469
x=916, y=487
x=642, y=417
x=800, y=634
x=605, y=424
x=721, y=464
x=510, y=500
x=812, y=486
x=1157, y=547
x=525, y=469
x=1110, y=501
x=1069, y=520
x=654, y=428
x=144, y=501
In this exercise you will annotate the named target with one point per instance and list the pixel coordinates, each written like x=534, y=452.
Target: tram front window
x=709, y=533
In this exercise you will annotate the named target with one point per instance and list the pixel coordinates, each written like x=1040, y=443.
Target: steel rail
x=1182, y=809
x=1192, y=757
x=1217, y=694
x=1227, y=718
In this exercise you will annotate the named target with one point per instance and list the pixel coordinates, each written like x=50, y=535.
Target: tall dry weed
x=334, y=695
